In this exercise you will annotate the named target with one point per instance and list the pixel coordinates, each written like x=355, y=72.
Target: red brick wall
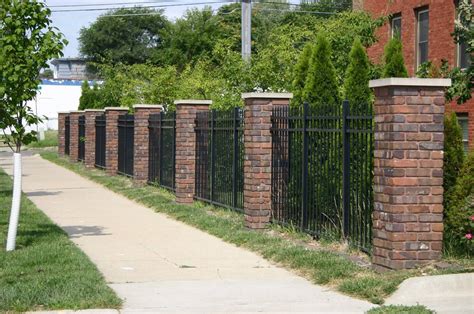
x=62, y=132
x=74, y=135
x=111, y=145
x=89, y=155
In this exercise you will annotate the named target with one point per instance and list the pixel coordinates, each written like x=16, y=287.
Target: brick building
x=425, y=28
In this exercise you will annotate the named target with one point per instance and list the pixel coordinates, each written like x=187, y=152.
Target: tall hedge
x=356, y=85
x=301, y=73
x=321, y=87
x=453, y=153
x=394, y=62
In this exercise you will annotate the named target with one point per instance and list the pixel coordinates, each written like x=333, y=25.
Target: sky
x=69, y=23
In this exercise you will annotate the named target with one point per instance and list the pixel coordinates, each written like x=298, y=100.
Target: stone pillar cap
x=268, y=95
x=192, y=102
x=420, y=82
x=64, y=112
x=116, y=108
x=76, y=111
x=147, y=106
x=94, y=110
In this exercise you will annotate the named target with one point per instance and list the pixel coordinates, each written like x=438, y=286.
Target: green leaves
x=26, y=44
x=394, y=62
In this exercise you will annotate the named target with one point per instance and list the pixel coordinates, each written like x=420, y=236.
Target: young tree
x=394, y=62
x=27, y=41
x=301, y=72
x=321, y=87
x=453, y=153
x=356, y=85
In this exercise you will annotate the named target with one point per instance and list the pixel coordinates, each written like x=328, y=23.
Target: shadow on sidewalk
x=42, y=193
x=84, y=231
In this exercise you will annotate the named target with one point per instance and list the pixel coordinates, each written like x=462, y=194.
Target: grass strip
x=400, y=309
x=318, y=265
x=50, y=140
x=46, y=271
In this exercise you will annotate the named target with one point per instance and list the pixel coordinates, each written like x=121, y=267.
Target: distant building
x=69, y=69
x=424, y=27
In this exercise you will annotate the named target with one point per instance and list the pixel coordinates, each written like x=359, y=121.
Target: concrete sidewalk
x=161, y=265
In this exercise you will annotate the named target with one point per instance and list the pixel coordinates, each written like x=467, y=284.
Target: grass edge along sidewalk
x=320, y=266
x=46, y=271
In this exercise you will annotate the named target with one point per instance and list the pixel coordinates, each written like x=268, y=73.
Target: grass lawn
x=50, y=139
x=400, y=309
x=293, y=250
x=46, y=271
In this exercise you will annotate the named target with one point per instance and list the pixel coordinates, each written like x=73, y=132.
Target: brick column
x=62, y=132
x=408, y=168
x=111, y=145
x=74, y=134
x=140, y=159
x=258, y=156
x=186, y=111
x=89, y=158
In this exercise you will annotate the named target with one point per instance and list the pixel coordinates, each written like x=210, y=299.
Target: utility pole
x=246, y=29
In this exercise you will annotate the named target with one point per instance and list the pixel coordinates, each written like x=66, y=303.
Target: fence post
x=186, y=111
x=141, y=141
x=408, y=171
x=111, y=144
x=74, y=134
x=89, y=156
x=258, y=155
x=62, y=132
x=345, y=168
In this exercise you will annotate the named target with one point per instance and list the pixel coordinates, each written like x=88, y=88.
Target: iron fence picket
x=125, y=144
x=100, y=140
x=322, y=170
x=81, y=138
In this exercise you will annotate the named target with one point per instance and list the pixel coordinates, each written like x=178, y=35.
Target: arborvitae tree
x=85, y=99
x=301, y=73
x=356, y=85
x=453, y=153
x=321, y=86
x=394, y=62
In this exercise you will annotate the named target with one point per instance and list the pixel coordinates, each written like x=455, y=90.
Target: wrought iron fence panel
x=322, y=170
x=125, y=144
x=219, y=157
x=162, y=149
x=67, y=135
x=100, y=138
x=81, y=138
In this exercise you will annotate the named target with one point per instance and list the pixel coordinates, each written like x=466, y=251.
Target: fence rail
x=322, y=170
x=81, y=138
x=125, y=144
x=162, y=149
x=67, y=135
x=100, y=138
x=220, y=158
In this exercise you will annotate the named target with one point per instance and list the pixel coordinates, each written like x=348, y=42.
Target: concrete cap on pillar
x=192, y=102
x=145, y=106
x=267, y=95
x=76, y=111
x=94, y=110
x=398, y=81
x=116, y=108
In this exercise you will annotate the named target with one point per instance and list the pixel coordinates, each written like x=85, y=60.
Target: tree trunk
x=16, y=199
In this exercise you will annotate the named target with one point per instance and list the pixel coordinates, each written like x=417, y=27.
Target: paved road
x=160, y=265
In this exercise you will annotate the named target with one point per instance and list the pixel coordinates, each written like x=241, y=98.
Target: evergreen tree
x=356, y=85
x=394, y=62
x=453, y=153
x=300, y=74
x=321, y=87
x=85, y=99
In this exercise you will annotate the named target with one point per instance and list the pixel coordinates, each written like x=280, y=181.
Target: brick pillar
x=62, y=132
x=408, y=168
x=74, y=134
x=111, y=145
x=258, y=156
x=140, y=159
x=89, y=158
x=186, y=111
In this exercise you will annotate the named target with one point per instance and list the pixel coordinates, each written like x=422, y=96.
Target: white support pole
x=246, y=29
x=15, y=210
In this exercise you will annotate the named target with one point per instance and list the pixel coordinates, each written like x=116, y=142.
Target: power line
x=101, y=4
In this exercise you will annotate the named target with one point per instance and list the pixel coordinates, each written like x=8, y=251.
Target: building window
x=463, y=120
x=396, y=26
x=464, y=57
x=422, y=35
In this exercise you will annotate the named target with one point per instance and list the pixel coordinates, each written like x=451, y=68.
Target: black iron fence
x=162, y=149
x=67, y=134
x=220, y=158
x=125, y=144
x=322, y=170
x=81, y=138
x=100, y=138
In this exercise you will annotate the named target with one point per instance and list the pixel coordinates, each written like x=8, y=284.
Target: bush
x=453, y=153
x=301, y=73
x=394, y=62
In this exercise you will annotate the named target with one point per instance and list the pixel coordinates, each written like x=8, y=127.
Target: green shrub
x=394, y=62
x=321, y=87
x=453, y=152
x=301, y=73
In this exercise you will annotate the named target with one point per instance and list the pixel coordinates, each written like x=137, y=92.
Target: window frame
x=395, y=17
x=418, y=12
